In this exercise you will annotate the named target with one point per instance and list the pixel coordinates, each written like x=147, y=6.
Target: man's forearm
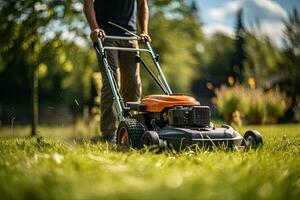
x=143, y=15
x=88, y=9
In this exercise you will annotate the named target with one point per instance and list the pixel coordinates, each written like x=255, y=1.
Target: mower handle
x=112, y=37
x=101, y=49
x=116, y=37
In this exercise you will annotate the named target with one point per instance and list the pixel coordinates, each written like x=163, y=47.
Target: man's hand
x=146, y=36
x=96, y=33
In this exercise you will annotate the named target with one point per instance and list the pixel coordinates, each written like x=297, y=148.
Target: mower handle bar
x=112, y=37
x=126, y=49
x=101, y=49
x=109, y=37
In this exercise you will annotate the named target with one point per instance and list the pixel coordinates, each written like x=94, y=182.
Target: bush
x=276, y=105
x=255, y=105
x=231, y=99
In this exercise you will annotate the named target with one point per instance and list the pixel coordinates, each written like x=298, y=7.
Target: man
x=127, y=71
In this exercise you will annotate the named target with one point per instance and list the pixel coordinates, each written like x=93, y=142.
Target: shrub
x=255, y=105
x=257, y=108
x=276, y=105
x=230, y=99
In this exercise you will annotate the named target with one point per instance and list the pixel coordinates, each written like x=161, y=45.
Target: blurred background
x=242, y=58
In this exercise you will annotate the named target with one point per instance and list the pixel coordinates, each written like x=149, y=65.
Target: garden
x=239, y=58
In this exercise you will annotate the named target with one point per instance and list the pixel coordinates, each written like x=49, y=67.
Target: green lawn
x=53, y=168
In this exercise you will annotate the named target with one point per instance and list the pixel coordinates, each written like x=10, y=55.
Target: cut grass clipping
x=51, y=168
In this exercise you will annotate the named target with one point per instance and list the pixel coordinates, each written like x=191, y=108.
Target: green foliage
x=239, y=55
x=63, y=67
x=23, y=27
x=255, y=105
x=215, y=59
x=265, y=107
x=231, y=99
x=257, y=55
x=292, y=31
x=276, y=105
x=297, y=110
x=25, y=22
x=53, y=169
x=263, y=60
x=176, y=31
x=290, y=67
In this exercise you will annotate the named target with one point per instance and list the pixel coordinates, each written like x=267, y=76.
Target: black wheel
x=129, y=133
x=150, y=138
x=252, y=139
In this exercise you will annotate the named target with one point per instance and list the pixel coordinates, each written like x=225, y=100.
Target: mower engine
x=194, y=116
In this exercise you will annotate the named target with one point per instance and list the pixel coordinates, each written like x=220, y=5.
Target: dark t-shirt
x=121, y=12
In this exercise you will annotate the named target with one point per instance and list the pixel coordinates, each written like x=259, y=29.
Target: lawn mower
x=167, y=120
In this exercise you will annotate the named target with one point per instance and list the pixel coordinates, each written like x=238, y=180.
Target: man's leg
x=131, y=87
x=108, y=119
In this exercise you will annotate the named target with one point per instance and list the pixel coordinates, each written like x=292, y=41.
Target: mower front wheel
x=129, y=133
x=151, y=139
x=252, y=139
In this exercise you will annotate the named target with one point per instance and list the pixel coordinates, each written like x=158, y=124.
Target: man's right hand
x=95, y=34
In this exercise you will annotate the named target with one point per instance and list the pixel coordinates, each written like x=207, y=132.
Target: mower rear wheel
x=129, y=133
x=252, y=139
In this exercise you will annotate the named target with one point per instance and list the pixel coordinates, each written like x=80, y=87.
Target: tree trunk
x=34, y=100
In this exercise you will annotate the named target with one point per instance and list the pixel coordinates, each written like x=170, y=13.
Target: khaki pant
x=127, y=75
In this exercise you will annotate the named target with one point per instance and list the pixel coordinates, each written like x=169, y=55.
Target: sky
x=220, y=15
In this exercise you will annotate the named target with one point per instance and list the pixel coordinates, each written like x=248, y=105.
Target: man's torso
x=121, y=12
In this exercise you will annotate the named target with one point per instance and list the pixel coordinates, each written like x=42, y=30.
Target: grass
x=52, y=168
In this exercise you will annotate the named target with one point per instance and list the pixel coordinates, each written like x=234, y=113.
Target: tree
x=23, y=26
x=216, y=57
x=239, y=55
x=263, y=59
x=291, y=65
x=176, y=31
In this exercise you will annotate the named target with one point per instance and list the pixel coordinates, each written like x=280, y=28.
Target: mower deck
x=181, y=138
